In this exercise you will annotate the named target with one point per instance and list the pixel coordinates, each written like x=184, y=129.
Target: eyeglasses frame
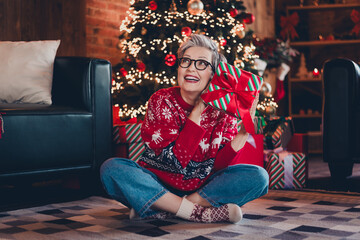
x=196, y=60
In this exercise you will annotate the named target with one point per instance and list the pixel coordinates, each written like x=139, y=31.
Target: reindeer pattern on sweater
x=180, y=152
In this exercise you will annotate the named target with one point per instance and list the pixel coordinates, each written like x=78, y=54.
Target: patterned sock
x=161, y=215
x=196, y=213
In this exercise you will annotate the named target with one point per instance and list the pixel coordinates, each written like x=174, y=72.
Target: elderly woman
x=191, y=166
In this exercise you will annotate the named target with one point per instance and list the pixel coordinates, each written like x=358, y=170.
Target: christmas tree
x=152, y=33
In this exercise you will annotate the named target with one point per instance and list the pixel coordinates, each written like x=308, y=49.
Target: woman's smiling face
x=191, y=80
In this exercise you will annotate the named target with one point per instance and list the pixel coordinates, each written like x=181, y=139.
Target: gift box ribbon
x=288, y=170
x=242, y=92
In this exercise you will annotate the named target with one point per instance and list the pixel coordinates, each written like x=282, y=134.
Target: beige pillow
x=26, y=71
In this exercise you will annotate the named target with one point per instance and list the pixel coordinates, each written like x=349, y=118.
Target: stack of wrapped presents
x=284, y=154
x=127, y=140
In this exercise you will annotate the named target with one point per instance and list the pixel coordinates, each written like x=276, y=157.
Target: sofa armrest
x=76, y=80
x=85, y=83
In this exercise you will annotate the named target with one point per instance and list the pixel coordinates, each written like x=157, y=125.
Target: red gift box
x=233, y=91
x=298, y=143
x=253, y=151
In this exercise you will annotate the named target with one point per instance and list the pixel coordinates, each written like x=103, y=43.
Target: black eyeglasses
x=199, y=63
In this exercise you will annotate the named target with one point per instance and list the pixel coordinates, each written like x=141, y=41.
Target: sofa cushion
x=26, y=71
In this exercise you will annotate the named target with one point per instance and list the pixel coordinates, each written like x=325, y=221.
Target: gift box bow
x=238, y=88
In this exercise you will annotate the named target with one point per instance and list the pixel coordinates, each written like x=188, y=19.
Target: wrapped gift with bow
x=233, y=90
x=287, y=170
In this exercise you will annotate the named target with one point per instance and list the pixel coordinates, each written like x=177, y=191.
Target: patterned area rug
x=278, y=215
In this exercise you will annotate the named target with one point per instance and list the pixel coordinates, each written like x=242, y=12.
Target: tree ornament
x=153, y=5
x=266, y=89
x=186, y=31
x=140, y=66
x=223, y=42
x=170, y=60
x=143, y=31
x=249, y=18
x=233, y=12
x=240, y=33
x=195, y=7
x=123, y=71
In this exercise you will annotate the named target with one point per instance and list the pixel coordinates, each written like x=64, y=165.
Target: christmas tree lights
x=151, y=34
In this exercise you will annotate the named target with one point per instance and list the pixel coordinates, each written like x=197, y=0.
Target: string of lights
x=136, y=43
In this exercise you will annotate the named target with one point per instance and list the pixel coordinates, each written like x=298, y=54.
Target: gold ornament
x=143, y=31
x=195, y=7
x=240, y=33
x=265, y=89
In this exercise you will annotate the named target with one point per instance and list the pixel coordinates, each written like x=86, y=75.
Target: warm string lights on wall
x=137, y=44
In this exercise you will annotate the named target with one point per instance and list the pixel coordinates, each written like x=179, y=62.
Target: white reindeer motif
x=204, y=146
x=173, y=131
x=216, y=142
x=156, y=137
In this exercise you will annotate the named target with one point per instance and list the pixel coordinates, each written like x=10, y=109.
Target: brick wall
x=103, y=18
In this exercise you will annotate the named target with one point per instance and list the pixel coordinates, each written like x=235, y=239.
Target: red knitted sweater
x=180, y=152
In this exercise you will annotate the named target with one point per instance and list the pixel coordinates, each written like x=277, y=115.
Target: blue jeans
x=136, y=187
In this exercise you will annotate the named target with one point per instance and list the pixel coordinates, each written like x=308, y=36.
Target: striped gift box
x=129, y=134
x=254, y=83
x=136, y=144
x=287, y=170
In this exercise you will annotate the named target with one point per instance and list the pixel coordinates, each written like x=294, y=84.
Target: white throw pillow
x=26, y=71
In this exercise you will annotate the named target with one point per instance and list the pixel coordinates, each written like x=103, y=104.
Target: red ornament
x=140, y=66
x=233, y=12
x=223, y=42
x=186, y=31
x=123, y=72
x=170, y=60
x=153, y=5
x=249, y=18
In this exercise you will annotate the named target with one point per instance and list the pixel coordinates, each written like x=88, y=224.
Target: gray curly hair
x=197, y=40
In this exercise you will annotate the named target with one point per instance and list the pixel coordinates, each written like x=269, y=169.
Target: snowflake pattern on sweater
x=181, y=153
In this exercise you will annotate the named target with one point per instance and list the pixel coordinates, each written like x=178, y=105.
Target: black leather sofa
x=72, y=135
